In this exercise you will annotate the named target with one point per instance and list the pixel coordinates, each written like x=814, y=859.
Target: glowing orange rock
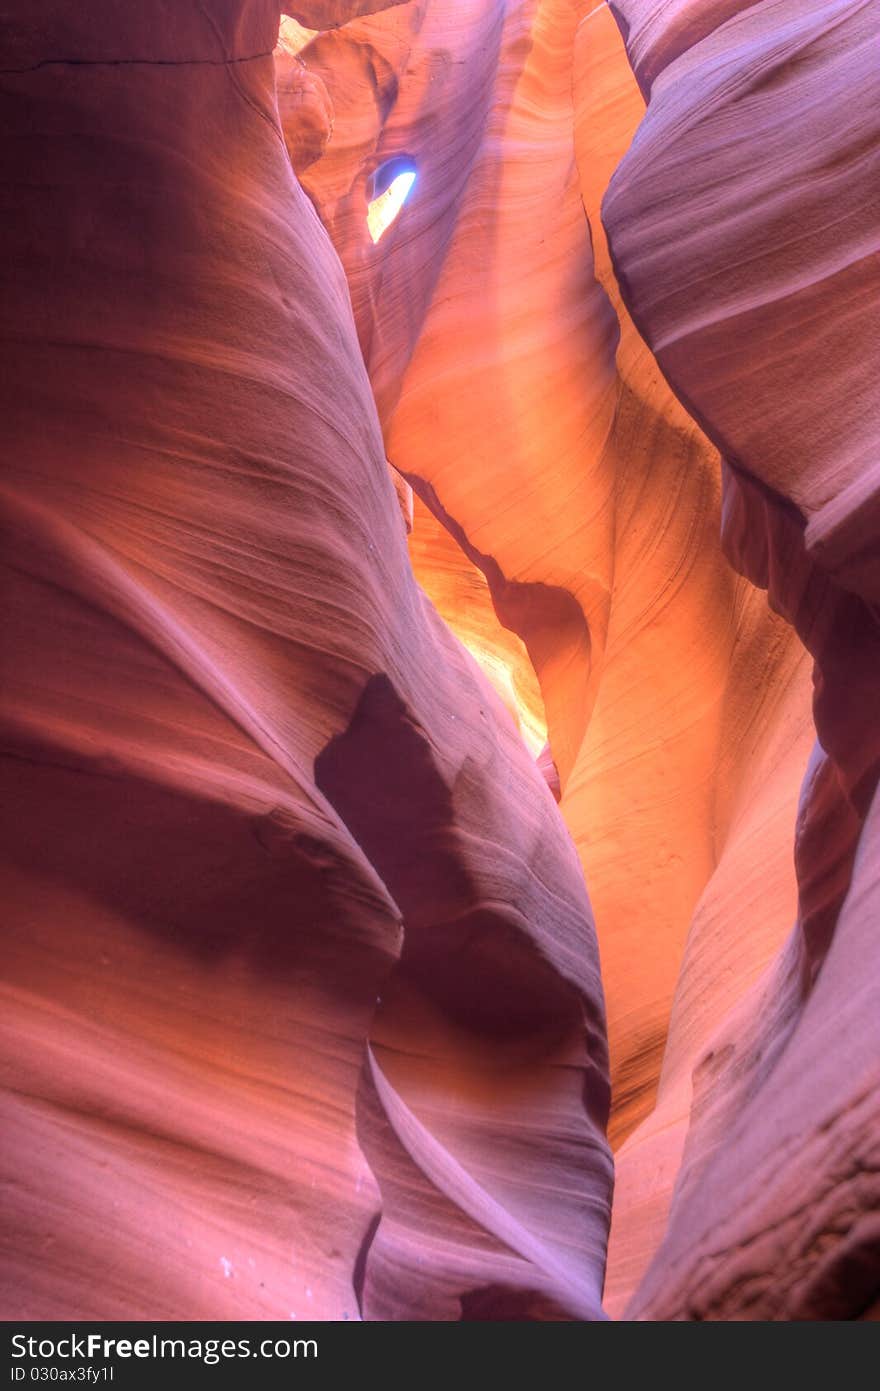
x=302, y=991
x=761, y=322
x=255, y=785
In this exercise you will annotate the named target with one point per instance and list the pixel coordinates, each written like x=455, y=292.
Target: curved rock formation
x=303, y=995
x=681, y=800
x=264, y=808
x=763, y=325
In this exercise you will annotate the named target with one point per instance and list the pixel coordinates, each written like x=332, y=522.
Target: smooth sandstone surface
x=264, y=811
x=305, y=1002
x=683, y=794
x=744, y=233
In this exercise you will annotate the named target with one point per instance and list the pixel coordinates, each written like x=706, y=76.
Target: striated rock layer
x=300, y=968
x=303, y=990
x=763, y=325
x=521, y=404
x=680, y=716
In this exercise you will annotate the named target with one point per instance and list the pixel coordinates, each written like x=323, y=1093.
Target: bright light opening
x=384, y=208
x=293, y=37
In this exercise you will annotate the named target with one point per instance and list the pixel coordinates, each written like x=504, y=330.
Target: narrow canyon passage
x=441, y=660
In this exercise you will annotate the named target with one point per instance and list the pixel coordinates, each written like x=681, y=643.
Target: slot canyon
x=441, y=660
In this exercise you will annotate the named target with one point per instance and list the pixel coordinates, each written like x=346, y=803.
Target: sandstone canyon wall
x=307, y=1012
x=762, y=133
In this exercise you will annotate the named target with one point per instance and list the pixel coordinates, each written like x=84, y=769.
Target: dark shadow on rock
x=472, y=958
